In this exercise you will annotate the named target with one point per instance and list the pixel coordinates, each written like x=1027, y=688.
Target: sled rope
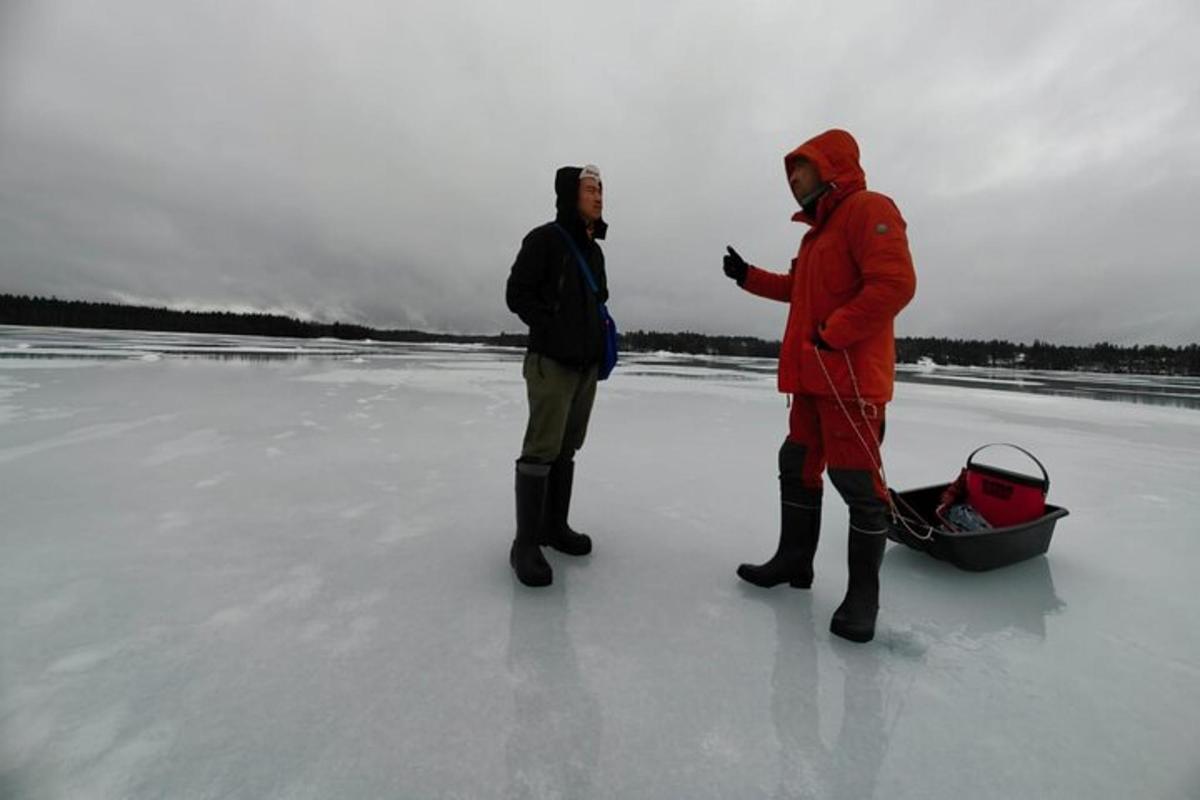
x=897, y=516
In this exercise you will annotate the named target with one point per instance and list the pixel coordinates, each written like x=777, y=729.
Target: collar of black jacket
x=566, y=200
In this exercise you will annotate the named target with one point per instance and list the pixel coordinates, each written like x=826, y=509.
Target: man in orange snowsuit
x=852, y=276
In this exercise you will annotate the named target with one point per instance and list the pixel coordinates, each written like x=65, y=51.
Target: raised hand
x=735, y=266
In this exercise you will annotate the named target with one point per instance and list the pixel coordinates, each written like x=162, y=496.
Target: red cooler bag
x=1006, y=498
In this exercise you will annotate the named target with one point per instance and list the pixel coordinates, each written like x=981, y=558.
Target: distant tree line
x=1102, y=357
x=699, y=343
x=24, y=310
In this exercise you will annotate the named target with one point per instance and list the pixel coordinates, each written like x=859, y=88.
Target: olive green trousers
x=560, y=404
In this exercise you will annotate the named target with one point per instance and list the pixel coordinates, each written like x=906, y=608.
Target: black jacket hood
x=566, y=200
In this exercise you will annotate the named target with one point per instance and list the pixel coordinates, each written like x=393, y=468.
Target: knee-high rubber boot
x=526, y=556
x=799, y=528
x=556, y=532
x=855, y=617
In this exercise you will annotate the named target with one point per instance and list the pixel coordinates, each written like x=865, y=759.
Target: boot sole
x=558, y=549
x=857, y=635
x=535, y=584
x=795, y=583
x=582, y=549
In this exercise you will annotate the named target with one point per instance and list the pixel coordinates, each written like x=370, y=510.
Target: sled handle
x=1045, y=475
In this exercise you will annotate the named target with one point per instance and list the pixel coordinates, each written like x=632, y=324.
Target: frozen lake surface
x=234, y=568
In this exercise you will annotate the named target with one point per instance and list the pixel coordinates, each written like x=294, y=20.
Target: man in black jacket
x=548, y=291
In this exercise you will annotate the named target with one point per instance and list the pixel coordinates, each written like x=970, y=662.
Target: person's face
x=804, y=179
x=591, y=200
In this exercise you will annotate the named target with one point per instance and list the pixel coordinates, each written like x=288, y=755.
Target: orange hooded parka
x=852, y=276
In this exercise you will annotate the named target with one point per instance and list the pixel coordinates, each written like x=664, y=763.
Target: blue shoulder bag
x=610, y=327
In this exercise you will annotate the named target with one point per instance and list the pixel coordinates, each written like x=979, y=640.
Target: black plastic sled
x=976, y=551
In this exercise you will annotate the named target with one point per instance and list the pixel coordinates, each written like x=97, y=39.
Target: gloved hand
x=735, y=266
x=820, y=343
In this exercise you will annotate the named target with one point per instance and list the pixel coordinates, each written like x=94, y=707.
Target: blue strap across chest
x=583, y=266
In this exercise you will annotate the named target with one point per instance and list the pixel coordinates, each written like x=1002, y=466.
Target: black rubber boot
x=526, y=556
x=855, y=617
x=799, y=528
x=556, y=532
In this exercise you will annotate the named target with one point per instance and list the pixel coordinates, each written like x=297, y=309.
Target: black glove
x=735, y=266
x=820, y=343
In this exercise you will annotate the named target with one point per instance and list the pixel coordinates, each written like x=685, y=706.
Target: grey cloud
x=379, y=163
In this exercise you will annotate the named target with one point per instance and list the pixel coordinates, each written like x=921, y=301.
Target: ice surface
x=270, y=577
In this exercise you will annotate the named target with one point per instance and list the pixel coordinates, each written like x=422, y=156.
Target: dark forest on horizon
x=1100, y=357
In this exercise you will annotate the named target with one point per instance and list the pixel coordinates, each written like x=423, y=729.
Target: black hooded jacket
x=547, y=290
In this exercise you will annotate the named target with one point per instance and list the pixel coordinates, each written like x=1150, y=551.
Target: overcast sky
x=379, y=162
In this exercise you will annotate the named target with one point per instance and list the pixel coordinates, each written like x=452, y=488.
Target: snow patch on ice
x=358, y=636
x=10, y=388
x=173, y=520
x=215, y=480
x=227, y=617
x=301, y=587
x=357, y=511
x=95, y=735
x=116, y=772
x=362, y=601
x=196, y=443
x=83, y=660
x=297, y=590
x=427, y=380
x=11, y=364
x=53, y=608
x=86, y=435
x=49, y=414
x=411, y=527
x=27, y=732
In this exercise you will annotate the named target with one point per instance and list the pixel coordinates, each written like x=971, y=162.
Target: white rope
x=862, y=404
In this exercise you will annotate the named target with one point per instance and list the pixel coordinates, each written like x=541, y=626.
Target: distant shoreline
x=1100, y=357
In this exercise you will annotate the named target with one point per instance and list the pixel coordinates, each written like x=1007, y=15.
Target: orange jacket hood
x=835, y=155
